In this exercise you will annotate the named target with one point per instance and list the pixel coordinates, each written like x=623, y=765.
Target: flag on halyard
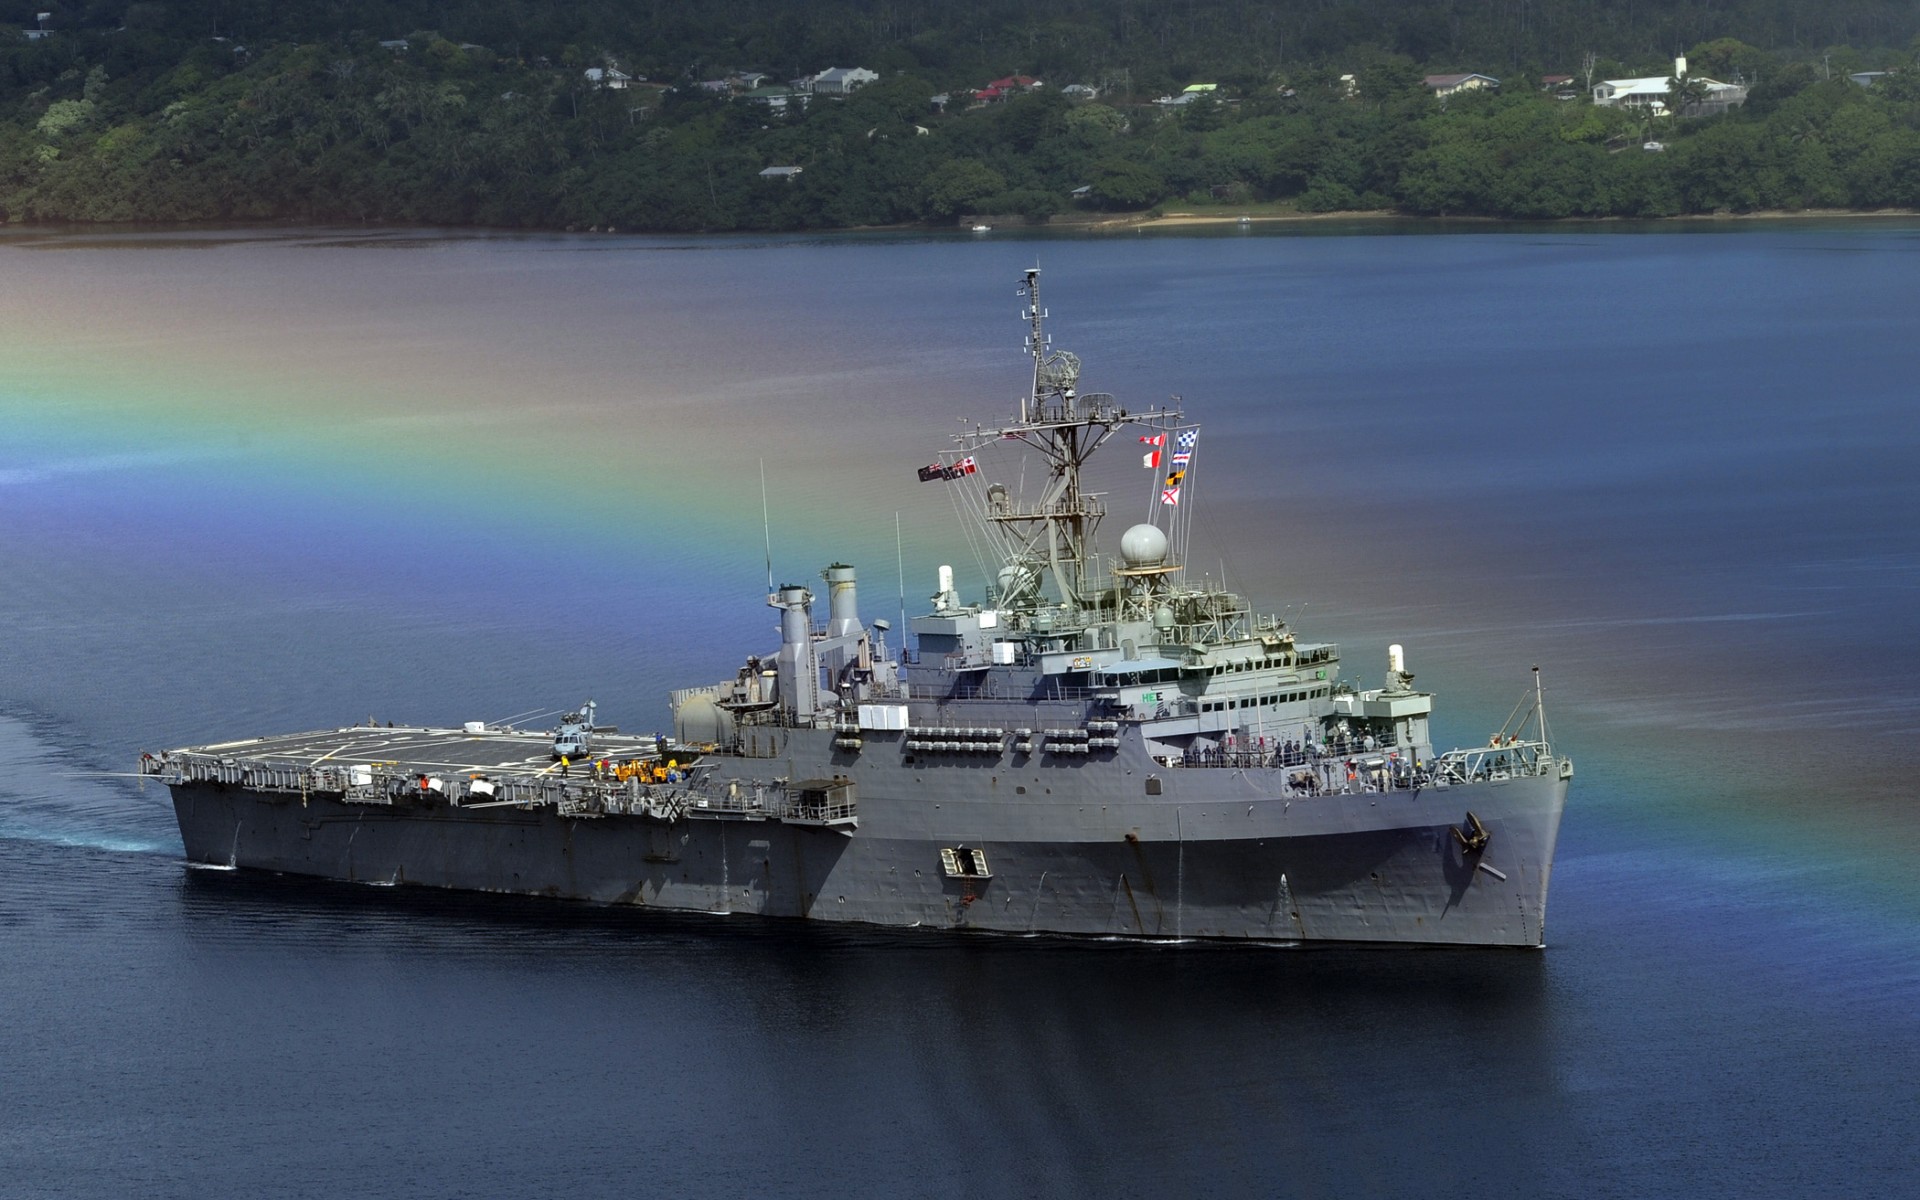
x=1151, y=459
x=1170, y=496
x=1183, y=446
x=948, y=470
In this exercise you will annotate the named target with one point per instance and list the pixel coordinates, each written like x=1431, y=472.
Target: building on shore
x=1446, y=85
x=1654, y=93
x=839, y=81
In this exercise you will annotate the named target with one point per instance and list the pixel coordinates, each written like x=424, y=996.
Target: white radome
x=1144, y=546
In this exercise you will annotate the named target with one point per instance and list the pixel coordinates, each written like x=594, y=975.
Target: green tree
x=1095, y=124
x=1727, y=59
x=955, y=186
x=1684, y=95
x=1122, y=184
x=64, y=118
x=1202, y=114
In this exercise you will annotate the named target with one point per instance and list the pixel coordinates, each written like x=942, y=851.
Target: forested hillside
x=483, y=113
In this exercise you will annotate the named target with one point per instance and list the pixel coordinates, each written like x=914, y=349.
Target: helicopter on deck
x=574, y=739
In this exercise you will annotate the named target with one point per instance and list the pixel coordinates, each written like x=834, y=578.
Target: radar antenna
x=1059, y=370
x=1052, y=538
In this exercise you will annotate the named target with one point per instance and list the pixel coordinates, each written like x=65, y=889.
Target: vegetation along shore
x=763, y=115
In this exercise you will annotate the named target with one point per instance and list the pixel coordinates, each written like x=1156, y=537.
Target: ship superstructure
x=1092, y=745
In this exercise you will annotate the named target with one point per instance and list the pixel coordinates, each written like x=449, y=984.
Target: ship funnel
x=793, y=605
x=843, y=606
x=797, y=668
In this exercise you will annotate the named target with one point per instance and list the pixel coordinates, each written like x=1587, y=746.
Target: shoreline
x=1187, y=218
x=1075, y=223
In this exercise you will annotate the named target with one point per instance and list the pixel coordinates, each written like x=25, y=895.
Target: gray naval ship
x=1094, y=746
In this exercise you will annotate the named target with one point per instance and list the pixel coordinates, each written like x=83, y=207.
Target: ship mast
x=1053, y=537
x=1037, y=341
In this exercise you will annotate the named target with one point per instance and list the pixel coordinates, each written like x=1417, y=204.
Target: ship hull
x=1225, y=860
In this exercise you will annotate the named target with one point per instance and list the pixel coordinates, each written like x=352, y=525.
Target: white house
x=838, y=81
x=1447, y=85
x=1652, y=93
x=1188, y=95
x=608, y=77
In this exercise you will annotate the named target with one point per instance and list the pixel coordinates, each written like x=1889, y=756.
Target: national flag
x=930, y=473
x=966, y=465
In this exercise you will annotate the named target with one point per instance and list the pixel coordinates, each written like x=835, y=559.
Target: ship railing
x=263, y=775
x=826, y=812
x=1342, y=746
x=738, y=800
x=359, y=783
x=1045, y=695
x=686, y=791
x=1501, y=758
x=1086, y=506
x=1087, y=406
x=1309, y=775
x=777, y=802
x=696, y=797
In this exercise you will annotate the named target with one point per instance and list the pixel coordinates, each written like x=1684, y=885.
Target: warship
x=1094, y=745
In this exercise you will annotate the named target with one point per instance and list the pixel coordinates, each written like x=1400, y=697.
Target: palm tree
x=1685, y=92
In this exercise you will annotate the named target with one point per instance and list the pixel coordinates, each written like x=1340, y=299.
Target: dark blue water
x=279, y=482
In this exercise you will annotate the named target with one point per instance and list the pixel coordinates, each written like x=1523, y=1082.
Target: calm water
x=262, y=482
